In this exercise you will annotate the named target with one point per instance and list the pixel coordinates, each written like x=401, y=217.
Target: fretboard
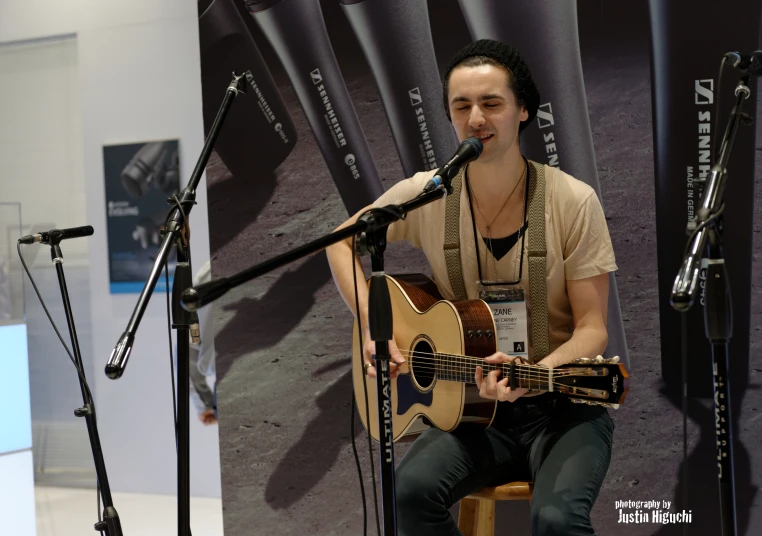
x=463, y=369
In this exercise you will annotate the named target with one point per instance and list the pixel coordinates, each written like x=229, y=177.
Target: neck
x=493, y=180
x=462, y=369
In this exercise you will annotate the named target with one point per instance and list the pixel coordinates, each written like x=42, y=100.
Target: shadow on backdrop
x=262, y=322
x=234, y=204
x=703, y=487
x=300, y=469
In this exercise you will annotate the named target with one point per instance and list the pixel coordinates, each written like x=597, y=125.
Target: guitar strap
x=536, y=252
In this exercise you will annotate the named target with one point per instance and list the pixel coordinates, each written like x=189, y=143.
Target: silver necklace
x=489, y=226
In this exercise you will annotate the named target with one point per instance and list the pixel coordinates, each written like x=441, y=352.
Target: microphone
x=54, y=236
x=296, y=30
x=750, y=63
x=258, y=133
x=146, y=168
x=467, y=151
x=410, y=85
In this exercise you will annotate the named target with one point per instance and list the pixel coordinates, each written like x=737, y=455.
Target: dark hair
x=489, y=52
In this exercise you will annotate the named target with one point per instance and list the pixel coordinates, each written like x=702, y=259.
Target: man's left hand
x=491, y=386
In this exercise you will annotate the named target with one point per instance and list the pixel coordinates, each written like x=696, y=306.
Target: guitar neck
x=463, y=370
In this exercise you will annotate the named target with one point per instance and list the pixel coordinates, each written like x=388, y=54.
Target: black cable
x=701, y=226
x=684, y=333
x=359, y=469
x=80, y=372
x=42, y=302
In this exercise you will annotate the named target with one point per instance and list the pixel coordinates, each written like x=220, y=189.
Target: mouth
x=484, y=138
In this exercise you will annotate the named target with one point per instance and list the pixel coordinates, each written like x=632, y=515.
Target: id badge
x=509, y=309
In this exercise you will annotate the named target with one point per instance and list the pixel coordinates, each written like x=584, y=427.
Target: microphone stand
x=374, y=225
x=717, y=308
x=177, y=233
x=110, y=523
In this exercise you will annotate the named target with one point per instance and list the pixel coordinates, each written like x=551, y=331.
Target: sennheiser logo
x=705, y=91
x=426, y=148
x=704, y=94
x=415, y=96
x=264, y=106
x=545, y=116
x=330, y=117
x=545, y=120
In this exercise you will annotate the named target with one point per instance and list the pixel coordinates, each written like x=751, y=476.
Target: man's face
x=483, y=106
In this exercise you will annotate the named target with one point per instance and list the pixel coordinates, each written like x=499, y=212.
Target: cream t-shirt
x=576, y=234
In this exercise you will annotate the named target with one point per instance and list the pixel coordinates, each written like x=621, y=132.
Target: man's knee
x=416, y=489
x=558, y=520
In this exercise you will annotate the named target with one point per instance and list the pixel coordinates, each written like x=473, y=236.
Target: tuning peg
x=599, y=359
x=613, y=360
x=582, y=360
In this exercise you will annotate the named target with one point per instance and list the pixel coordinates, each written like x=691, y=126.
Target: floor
x=70, y=512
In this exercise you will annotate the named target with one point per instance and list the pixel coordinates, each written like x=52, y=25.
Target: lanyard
x=522, y=232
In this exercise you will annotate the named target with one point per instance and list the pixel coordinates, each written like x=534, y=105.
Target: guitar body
x=425, y=324
x=443, y=343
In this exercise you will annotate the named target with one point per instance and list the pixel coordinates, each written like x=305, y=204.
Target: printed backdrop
x=343, y=101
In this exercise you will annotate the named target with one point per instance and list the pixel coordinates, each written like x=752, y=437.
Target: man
x=563, y=448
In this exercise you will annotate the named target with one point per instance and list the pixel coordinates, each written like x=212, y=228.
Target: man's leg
x=443, y=467
x=569, y=460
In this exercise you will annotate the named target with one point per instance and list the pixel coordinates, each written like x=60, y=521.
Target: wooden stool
x=477, y=511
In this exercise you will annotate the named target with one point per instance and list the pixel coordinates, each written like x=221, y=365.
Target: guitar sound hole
x=423, y=364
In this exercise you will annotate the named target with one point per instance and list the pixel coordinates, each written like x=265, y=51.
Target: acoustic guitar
x=443, y=342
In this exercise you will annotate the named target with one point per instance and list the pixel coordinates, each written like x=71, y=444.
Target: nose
x=476, y=118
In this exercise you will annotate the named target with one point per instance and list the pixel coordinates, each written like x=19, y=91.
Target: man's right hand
x=396, y=363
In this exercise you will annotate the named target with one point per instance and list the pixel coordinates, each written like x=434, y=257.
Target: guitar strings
x=525, y=371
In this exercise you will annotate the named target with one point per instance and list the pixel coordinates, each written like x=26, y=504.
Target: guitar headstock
x=596, y=382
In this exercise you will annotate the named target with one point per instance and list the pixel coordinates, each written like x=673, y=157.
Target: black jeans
x=564, y=448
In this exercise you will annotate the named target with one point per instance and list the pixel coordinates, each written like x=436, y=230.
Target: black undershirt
x=501, y=246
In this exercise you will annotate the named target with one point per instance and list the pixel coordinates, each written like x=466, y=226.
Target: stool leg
x=485, y=518
x=467, y=516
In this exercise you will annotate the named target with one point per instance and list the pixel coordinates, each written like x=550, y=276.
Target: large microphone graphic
x=151, y=167
x=258, y=134
x=685, y=119
x=395, y=36
x=296, y=30
x=546, y=34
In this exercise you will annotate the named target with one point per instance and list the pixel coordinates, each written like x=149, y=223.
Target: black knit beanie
x=510, y=58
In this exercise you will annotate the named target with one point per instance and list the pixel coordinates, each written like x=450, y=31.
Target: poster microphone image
x=297, y=33
x=395, y=37
x=258, y=133
x=152, y=166
x=546, y=33
x=689, y=117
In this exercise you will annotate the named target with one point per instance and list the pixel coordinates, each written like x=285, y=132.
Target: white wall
x=139, y=79
x=41, y=139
